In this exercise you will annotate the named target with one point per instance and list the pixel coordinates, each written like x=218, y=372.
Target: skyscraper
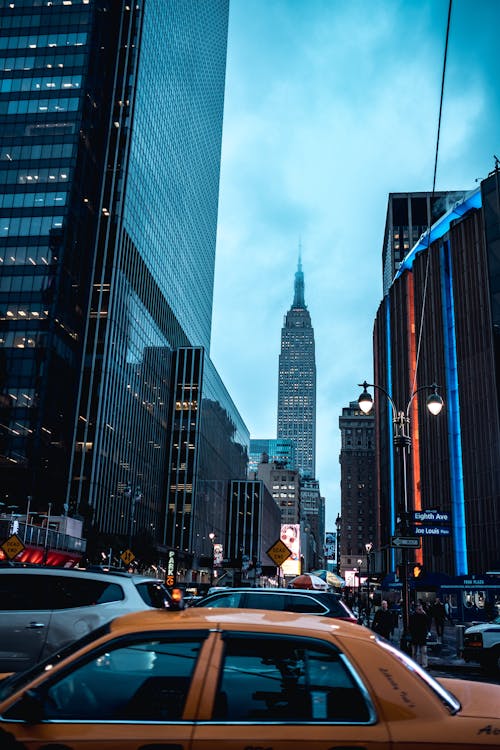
x=440, y=323
x=297, y=380
x=282, y=451
x=358, y=484
x=110, y=135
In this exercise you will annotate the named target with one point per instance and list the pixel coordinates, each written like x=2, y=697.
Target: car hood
x=477, y=699
x=481, y=627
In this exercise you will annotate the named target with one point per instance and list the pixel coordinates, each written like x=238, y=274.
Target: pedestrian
x=419, y=627
x=438, y=613
x=383, y=621
x=449, y=611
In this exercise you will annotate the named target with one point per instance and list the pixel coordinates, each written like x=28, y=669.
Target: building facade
x=445, y=296
x=253, y=526
x=409, y=215
x=279, y=450
x=110, y=136
x=358, y=489
x=284, y=486
x=297, y=381
x=312, y=511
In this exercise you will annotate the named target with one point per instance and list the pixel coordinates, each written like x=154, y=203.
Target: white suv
x=482, y=644
x=43, y=609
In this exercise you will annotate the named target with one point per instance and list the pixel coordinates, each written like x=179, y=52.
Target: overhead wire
x=436, y=155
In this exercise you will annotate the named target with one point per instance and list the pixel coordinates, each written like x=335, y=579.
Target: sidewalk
x=442, y=655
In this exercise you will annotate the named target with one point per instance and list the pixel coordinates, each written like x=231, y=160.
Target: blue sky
x=331, y=105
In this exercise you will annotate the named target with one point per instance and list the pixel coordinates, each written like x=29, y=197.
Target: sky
x=330, y=105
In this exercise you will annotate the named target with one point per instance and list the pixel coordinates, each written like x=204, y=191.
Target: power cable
x=427, y=265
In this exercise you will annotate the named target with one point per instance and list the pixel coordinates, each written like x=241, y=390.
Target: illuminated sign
x=290, y=535
x=171, y=574
x=218, y=555
x=330, y=539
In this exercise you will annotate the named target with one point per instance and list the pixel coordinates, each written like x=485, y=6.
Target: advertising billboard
x=290, y=535
x=330, y=545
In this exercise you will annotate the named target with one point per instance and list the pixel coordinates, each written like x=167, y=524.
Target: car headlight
x=473, y=640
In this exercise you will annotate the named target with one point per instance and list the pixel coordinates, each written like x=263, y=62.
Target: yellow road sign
x=127, y=556
x=12, y=546
x=279, y=552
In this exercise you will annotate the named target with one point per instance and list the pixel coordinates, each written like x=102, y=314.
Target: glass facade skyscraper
x=297, y=381
x=282, y=451
x=110, y=135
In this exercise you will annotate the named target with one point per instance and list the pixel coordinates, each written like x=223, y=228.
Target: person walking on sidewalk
x=438, y=613
x=419, y=627
x=383, y=621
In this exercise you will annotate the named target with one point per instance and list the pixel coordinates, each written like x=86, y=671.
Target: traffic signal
x=417, y=570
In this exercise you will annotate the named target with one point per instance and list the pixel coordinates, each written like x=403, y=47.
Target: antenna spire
x=298, y=298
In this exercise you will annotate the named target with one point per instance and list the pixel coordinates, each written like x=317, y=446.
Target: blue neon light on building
x=453, y=412
x=389, y=425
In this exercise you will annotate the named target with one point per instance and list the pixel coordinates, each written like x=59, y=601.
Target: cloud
x=331, y=105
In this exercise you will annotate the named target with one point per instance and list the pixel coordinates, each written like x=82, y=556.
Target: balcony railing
x=37, y=536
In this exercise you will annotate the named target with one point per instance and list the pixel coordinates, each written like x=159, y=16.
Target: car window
x=137, y=680
x=23, y=592
x=335, y=605
x=270, y=678
x=18, y=679
x=305, y=604
x=258, y=600
x=67, y=592
x=154, y=594
x=231, y=599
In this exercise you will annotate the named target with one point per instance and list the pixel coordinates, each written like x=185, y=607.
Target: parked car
x=222, y=679
x=306, y=601
x=482, y=644
x=43, y=608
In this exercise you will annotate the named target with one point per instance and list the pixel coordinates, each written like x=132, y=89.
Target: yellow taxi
x=231, y=679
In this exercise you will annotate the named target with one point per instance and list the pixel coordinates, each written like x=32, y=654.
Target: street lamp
x=402, y=442
x=211, y=536
x=368, y=548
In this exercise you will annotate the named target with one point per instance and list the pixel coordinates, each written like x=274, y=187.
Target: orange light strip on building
x=415, y=444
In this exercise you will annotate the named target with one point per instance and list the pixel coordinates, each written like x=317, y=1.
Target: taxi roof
x=231, y=618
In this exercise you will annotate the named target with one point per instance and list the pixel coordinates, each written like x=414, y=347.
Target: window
x=67, y=592
x=270, y=678
x=154, y=594
x=139, y=680
x=230, y=600
x=22, y=593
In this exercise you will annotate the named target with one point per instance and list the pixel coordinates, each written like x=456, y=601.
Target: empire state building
x=297, y=380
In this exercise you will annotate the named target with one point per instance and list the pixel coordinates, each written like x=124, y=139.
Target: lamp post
x=211, y=536
x=368, y=548
x=402, y=444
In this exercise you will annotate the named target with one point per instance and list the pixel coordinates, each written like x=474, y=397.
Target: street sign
x=12, y=546
x=406, y=541
x=432, y=530
x=279, y=552
x=432, y=516
x=127, y=556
